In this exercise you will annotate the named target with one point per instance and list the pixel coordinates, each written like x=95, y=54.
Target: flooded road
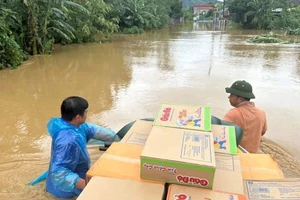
x=128, y=79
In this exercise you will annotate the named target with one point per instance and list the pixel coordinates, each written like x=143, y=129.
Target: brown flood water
x=128, y=78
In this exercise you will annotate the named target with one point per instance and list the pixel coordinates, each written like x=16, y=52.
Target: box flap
x=125, y=150
x=117, y=189
x=121, y=160
x=260, y=167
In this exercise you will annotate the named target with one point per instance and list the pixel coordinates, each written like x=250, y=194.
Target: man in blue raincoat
x=69, y=156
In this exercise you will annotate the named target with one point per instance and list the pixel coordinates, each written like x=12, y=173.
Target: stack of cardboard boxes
x=180, y=151
x=185, y=150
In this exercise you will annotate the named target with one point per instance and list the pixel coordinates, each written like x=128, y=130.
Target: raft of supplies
x=182, y=156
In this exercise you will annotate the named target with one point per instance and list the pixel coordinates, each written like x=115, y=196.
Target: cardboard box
x=224, y=139
x=228, y=175
x=282, y=189
x=184, y=116
x=118, y=189
x=122, y=161
x=178, y=192
x=138, y=133
x=260, y=167
x=179, y=156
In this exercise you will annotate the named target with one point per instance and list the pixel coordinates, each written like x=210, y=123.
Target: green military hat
x=242, y=89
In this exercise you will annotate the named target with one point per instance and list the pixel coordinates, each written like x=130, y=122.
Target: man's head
x=239, y=91
x=74, y=110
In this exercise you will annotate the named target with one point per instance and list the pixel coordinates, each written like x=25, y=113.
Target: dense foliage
x=265, y=14
x=33, y=26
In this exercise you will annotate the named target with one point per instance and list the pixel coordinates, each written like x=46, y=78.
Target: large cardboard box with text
x=184, y=116
x=228, y=175
x=179, y=156
x=122, y=161
x=224, y=136
x=120, y=189
x=281, y=189
x=178, y=192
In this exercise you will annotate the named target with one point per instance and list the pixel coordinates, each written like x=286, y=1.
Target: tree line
x=31, y=27
x=265, y=14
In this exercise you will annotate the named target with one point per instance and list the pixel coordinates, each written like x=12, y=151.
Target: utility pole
x=223, y=8
x=215, y=11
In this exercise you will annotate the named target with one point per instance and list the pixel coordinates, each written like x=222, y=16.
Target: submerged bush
x=293, y=32
x=133, y=30
x=266, y=38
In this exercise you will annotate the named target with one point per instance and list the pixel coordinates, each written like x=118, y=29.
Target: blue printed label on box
x=196, y=147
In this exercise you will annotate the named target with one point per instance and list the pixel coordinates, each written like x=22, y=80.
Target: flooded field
x=127, y=79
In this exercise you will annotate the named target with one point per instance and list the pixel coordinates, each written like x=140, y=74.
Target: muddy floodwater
x=127, y=79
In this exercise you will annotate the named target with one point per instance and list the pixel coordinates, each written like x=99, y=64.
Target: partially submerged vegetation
x=266, y=38
x=272, y=15
x=262, y=14
x=294, y=32
x=31, y=27
x=271, y=37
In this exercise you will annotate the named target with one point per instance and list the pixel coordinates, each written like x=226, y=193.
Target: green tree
x=176, y=9
x=289, y=20
x=260, y=13
x=33, y=26
x=137, y=15
x=11, y=54
x=188, y=14
x=238, y=9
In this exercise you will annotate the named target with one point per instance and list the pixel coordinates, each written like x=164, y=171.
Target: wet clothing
x=253, y=122
x=69, y=156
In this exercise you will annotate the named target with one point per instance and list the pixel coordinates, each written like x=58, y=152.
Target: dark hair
x=73, y=106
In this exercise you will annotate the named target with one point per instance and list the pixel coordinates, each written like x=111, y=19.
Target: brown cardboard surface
x=178, y=192
x=101, y=188
x=125, y=150
x=281, y=189
x=138, y=133
x=228, y=175
x=121, y=160
x=179, y=156
x=260, y=167
x=193, y=117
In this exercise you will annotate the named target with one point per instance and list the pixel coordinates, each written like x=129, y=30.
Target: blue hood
x=58, y=124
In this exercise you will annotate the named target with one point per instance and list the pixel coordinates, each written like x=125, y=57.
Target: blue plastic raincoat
x=69, y=156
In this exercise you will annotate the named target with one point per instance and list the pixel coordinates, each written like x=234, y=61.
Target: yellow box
x=122, y=161
x=119, y=189
x=260, y=167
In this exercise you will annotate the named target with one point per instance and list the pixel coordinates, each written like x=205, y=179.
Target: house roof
x=204, y=6
x=296, y=2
